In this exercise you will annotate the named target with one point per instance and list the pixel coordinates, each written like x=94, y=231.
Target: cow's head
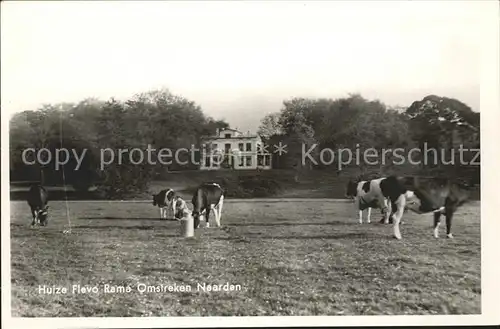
x=169, y=195
x=43, y=216
x=196, y=215
x=180, y=208
x=351, y=189
x=164, y=196
x=429, y=194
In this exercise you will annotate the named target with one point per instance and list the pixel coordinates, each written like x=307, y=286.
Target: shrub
x=250, y=187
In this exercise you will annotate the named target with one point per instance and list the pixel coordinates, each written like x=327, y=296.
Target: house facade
x=231, y=149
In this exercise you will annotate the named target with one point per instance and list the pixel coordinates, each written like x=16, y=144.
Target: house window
x=227, y=148
x=241, y=161
x=207, y=161
x=214, y=147
x=260, y=159
x=267, y=160
x=249, y=147
x=216, y=161
x=240, y=146
x=249, y=161
x=227, y=135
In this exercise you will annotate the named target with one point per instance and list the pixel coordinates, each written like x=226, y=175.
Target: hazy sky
x=240, y=60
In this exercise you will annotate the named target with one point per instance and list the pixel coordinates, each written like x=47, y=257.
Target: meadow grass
x=290, y=258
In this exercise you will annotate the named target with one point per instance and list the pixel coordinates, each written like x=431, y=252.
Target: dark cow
x=164, y=201
x=208, y=196
x=422, y=195
x=37, y=200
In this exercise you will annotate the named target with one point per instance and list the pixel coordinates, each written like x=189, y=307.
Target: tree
x=270, y=126
x=442, y=123
x=158, y=118
x=37, y=130
x=349, y=122
x=123, y=174
x=299, y=133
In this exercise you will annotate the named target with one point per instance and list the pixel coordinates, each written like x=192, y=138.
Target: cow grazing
x=424, y=195
x=181, y=210
x=208, y=196
x=368, y=195
x=164, y=201
x=37, y=200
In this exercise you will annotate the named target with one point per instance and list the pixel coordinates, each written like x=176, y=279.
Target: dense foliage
x=163, y=120
x=158, y=118
x=356, y=123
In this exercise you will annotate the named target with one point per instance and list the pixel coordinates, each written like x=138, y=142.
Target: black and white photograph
x=172, y=160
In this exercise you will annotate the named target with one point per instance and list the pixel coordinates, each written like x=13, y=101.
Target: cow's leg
x=382, y=201
x=369, y=215
x=171, y=209
x=196, y=221
x=399, y=207
x=216, y=215
x=202, y=216
x=437, y=221
x=388, y=213
x=449, y=211
x=221, y=202
x=168, y=211
x=33, y=214
x=207, y=216
x=217, y=212
x=358, y=209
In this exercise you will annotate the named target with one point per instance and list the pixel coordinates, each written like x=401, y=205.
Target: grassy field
x=290, y=258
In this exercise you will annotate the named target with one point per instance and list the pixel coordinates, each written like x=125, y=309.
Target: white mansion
x=231, y=149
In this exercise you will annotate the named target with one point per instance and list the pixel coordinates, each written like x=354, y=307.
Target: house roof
x=241, y=136
x=235, y=137
x=224, y=129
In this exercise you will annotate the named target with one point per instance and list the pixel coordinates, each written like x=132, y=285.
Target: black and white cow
x=368, y=195
x=208, y=196
x=164, y=201
x=37, y=200
x=439, y=196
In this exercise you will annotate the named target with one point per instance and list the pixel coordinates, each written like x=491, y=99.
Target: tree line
x=354, y=122
x=158, y=118
x=164, y=120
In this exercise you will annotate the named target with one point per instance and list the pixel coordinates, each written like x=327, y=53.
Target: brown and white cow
x=37, y=200
x=424, y=195
x=164, y=200
x=207, y=197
